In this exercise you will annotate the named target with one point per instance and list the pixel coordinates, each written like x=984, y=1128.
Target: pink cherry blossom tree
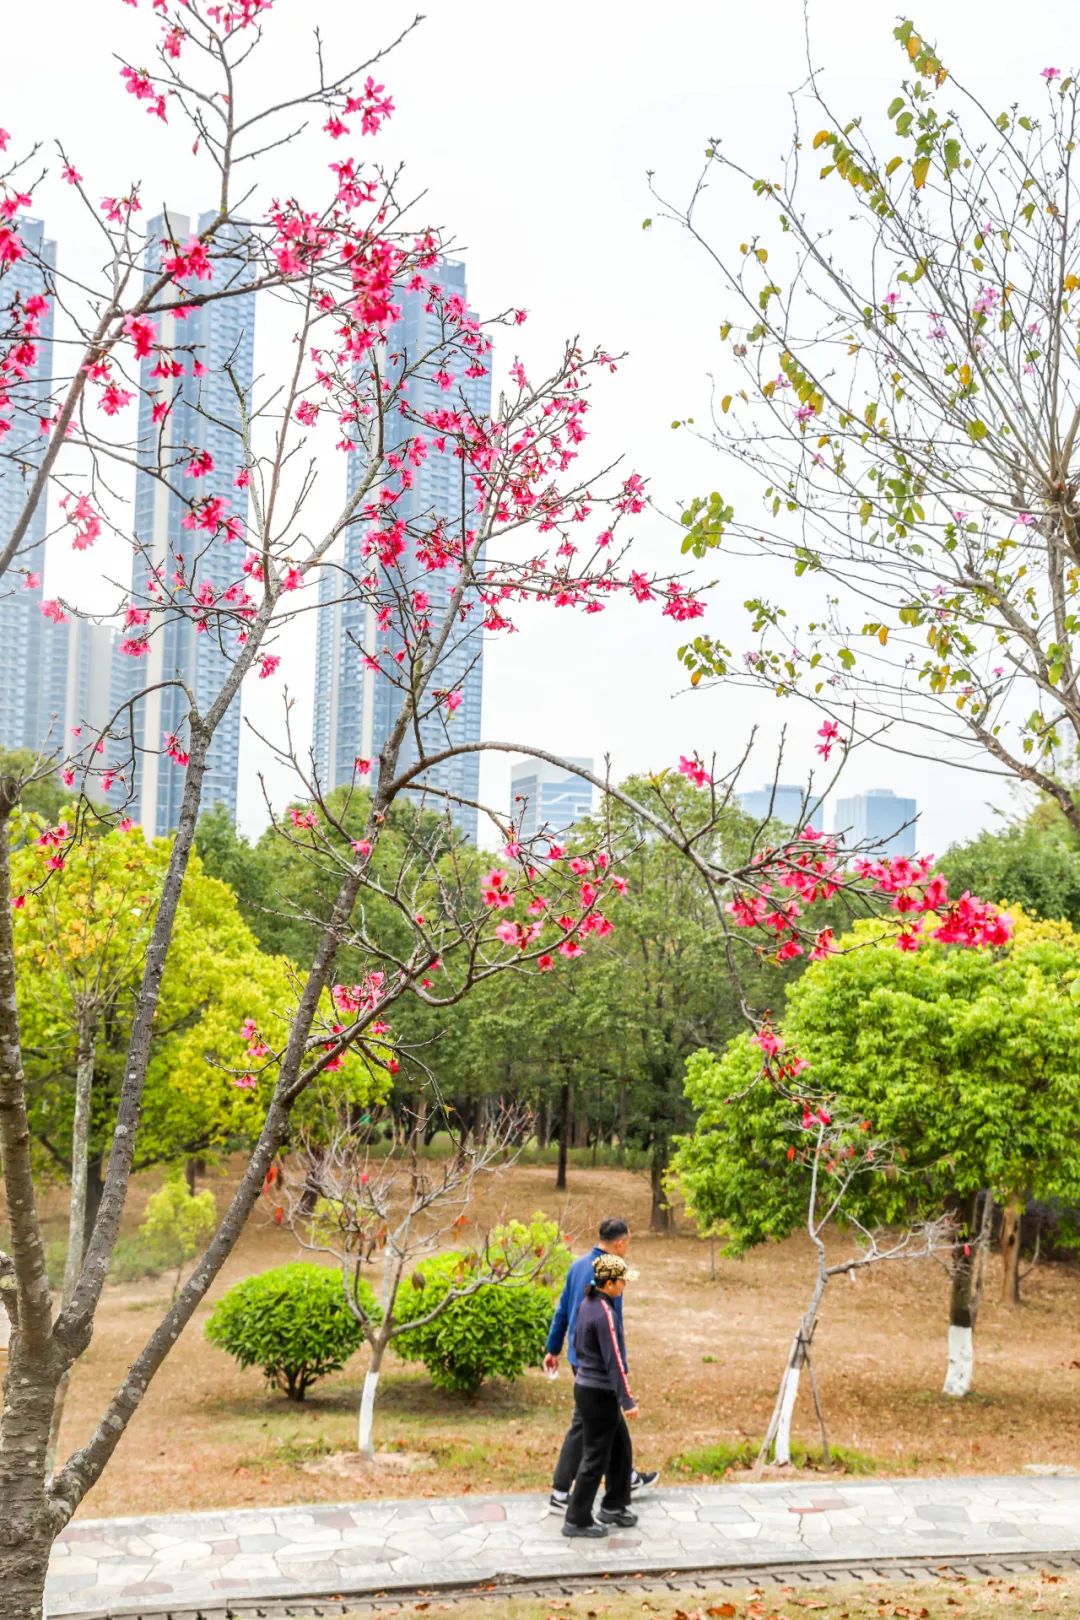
x=530, y=525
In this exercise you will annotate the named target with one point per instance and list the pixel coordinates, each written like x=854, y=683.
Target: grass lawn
x=1051, y=1596
x=705, y=1358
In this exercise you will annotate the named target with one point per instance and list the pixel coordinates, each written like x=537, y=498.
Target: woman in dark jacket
x=603, y=1399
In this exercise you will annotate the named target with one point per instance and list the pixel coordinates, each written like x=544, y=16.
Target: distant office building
x=23, y=631
x=76, y=682
x=548, y=798
x=878, y=819
x=783, y=803
x=204, y=416
x=355, y=707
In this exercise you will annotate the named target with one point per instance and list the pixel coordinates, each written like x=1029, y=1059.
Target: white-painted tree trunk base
x=782, y=1443
x=961, y=1367
x=367, y=1415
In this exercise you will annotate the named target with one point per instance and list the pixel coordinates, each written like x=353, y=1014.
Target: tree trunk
x=624, y=1118
x=660, y=1218
x=564, y=1135
x=1010, y=1250
x=193, y=1169
x=88, y=1019
x=27, y=1528
x=966, y=1291
x=312, y=1186
x=581, y=1129
x=95, y=1189
x=365, y=1442
x=542, y=1125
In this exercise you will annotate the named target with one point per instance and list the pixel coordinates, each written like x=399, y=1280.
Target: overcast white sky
x=531, y=128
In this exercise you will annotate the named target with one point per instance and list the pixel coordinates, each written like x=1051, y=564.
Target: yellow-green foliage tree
x=80, y=941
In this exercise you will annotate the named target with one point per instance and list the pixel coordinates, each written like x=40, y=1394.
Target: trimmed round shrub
x=293, y=1322
x=496, y=1332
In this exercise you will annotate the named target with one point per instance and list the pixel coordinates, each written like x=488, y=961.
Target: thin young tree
x=385, y=1211
x=837, y=1153
x=902, y=382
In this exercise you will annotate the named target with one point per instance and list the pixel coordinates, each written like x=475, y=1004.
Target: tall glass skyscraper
x=24, y=711
x=205, y=417
x=355, y=708
x=548, y=798
x=786, y=803
x=880, y=820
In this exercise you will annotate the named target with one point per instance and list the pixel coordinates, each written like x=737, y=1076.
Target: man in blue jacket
x=614, y=1238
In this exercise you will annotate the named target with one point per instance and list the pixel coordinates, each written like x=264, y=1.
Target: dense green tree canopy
x=966, y=1062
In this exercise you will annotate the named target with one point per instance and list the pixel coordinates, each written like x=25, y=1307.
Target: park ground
x=1047, y=1595
x=705, y=1357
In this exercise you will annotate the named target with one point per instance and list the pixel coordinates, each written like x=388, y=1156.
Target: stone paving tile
x=276, y=1552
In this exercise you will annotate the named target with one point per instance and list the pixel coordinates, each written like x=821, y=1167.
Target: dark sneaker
x=559, y=1499
x=620, y=1516
x=643, y=1482
x=593, y=1531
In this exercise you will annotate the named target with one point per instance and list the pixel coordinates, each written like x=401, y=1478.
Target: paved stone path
x=124, y=1564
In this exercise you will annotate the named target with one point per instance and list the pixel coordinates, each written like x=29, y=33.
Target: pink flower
x=361, y=766
x=31, y=582
x=268, y=663
x=769, y=1042
x=293, y=580
x=71, y=175
x=453, y=701
x=52, y=610
x=307, y=412
x=141, y=333
x=1050, y=74
x=114, y=398
x=694, y=771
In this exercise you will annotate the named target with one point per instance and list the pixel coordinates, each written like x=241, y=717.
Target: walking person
x=604, y=1401
x=613, y=1238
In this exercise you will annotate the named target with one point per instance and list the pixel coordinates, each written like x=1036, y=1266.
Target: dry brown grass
x=705, y=1359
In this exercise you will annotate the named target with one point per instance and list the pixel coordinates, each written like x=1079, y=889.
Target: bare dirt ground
x=705, y=1359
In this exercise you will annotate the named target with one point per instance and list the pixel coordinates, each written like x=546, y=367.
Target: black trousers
x=566, y=1469
x=606, y=1454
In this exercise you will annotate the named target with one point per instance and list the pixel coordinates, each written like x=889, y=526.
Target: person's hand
x=631, y=1411
x=551, y=1363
